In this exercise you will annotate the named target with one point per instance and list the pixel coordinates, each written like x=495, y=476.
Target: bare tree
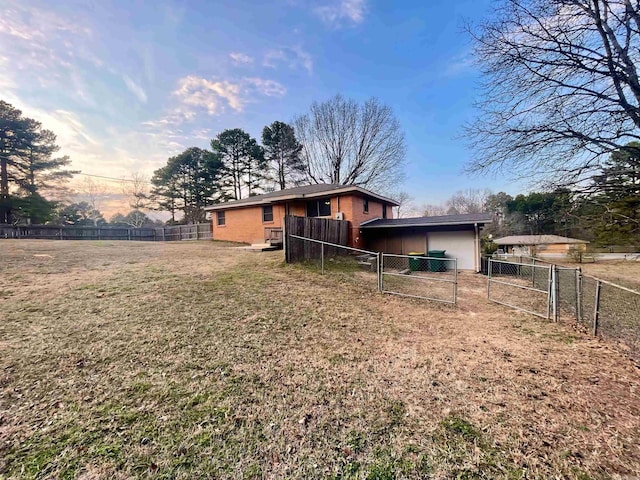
x=471, y=200
x=93, y=192
x=431, y=210
x=350, y=144
x=405, y=207
x=561, y=87
x=136, y=189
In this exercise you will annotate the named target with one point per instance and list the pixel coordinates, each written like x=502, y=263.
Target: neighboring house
x=261, y=217
x=458, y=235
x=539, y=244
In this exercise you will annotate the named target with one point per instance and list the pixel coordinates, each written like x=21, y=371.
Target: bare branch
x=351, y=144
x=560, y=89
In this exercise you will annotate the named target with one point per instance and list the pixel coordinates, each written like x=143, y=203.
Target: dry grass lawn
x=624, y=272
x=192, y=360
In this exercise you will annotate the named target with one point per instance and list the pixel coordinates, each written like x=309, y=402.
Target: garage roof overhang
x=453, y=221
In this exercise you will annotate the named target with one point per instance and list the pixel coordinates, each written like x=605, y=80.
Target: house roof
x=536, y=240
x=441, y=220
x=299, y=193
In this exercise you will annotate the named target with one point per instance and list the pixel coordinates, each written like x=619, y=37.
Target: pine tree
x=27, y=167
x=243, y=161
x=188, y=182
x=617, y=191
x=282, y=152
x=14, y=133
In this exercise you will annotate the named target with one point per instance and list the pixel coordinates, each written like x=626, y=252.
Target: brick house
x=540, y=244
x=259, y=218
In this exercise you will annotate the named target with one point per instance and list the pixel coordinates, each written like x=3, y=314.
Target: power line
x=113, y=178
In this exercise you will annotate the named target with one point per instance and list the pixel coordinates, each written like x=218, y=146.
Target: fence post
x=533, y=272
x=455, y=281
x=128, y=234
x=549, y=292
x=382, y=272
x=578, y=295
x=596, y=309
x=378, y=271
x=489, y=279
x=61, y=233
x=322, y=256
x=285, y=239
x=556, y=291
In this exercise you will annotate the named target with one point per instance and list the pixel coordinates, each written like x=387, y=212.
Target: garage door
x=460, y=245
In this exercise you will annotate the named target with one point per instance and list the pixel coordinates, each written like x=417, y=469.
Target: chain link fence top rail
x=525, y=287
x=350, y=264
x=430, y=278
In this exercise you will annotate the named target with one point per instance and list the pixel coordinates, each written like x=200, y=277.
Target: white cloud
x=340, y=11
x=134, y=88
x=293, y=57
x=30, y=23
x=72, y=134
x=214, y=96
x=269, y=88
x=209, y=95
x=240, y=58
x=460, y=64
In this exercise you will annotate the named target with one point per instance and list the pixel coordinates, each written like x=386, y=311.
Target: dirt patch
x=190, y=360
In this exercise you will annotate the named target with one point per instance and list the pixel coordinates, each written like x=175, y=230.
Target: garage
x=458, y=235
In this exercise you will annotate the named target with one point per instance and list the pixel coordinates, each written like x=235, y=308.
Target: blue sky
x=125, y=85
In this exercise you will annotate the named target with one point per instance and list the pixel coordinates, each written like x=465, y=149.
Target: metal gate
x=524, y=286
x=429, y=278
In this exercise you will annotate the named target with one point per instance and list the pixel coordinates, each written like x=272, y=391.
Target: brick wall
x=353, y=208
x=245, y=224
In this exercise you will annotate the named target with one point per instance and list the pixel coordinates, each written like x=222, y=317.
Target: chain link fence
x=567, y=291
x=612, y=312
x=523, y=286
x=348, y=263
x=603, y=308
x=430, y=278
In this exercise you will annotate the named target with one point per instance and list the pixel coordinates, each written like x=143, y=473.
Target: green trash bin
x=415, y=264
x=436, y=265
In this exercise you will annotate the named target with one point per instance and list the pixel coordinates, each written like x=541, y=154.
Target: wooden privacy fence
x=323, y=229
x=198, y=231
x=201, y=231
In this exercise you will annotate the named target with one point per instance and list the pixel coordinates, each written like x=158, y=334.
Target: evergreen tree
x=282, y=152
x=81, y=214
x=189, y=182
x=617, y=191
x=15, y=130
x=165, y=191
x=243, y=162
x=27, y=168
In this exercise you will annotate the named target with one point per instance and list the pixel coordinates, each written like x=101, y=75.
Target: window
x=267, y=213
x=319, y=208
x=221, y=218
x=384, y=211
x=365, y=205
